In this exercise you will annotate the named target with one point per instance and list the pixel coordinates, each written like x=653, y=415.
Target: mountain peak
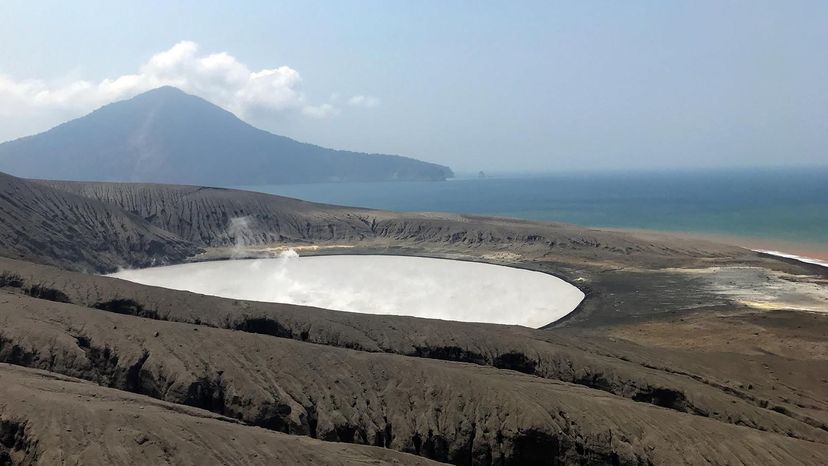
x=165, y=90
x=164, y=93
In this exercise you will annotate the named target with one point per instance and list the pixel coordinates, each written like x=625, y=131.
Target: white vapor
x=31, y=104
x=239, y=230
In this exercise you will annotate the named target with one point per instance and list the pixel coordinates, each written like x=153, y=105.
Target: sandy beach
x=810, y=253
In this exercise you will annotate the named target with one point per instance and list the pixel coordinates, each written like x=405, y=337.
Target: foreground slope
x=167, y=136
x=49, y=419
x=447, y=411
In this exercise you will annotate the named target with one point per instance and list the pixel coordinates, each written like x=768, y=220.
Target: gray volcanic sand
x=679, y=354
x=63, y=414
x=474, y=411
x=396, y=285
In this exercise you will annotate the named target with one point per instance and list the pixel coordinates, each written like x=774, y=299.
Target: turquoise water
x=789, y=205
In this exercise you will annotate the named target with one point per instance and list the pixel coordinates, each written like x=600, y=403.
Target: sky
x=495, y=86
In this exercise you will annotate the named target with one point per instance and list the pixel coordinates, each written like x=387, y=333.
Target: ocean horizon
x=769, y=209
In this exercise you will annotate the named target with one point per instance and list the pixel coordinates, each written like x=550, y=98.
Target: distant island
x=167, y=136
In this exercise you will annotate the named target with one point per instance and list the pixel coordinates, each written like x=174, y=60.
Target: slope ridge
x=46, y=225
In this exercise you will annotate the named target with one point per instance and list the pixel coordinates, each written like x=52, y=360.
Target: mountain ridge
x=168, y=136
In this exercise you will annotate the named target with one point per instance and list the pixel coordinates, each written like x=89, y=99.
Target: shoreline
x=798, y=252
x=785, y=255
x=804, y=252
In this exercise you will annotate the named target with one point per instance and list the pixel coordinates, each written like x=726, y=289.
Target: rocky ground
x=678, y=355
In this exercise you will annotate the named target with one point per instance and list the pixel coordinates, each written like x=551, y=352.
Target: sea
x=783, y=210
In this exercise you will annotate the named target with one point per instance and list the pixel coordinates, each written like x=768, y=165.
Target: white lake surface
x=395, y=285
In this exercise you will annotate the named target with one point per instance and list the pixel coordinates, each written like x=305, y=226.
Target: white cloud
x=217, y=77
x=320, y=111
x=363, y=101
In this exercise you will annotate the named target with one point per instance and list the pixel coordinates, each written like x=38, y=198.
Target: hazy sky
x=474, y=85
